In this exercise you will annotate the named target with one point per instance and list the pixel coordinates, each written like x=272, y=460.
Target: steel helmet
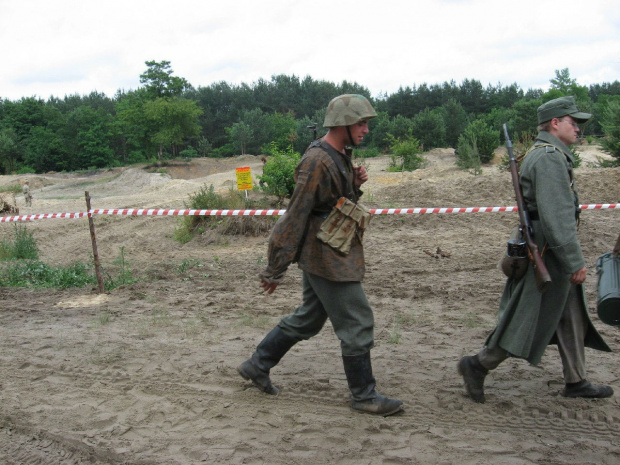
x=348, y=109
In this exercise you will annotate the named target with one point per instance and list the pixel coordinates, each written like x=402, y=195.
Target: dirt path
x=146, y=374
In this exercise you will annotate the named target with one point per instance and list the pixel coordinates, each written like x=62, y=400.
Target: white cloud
x=70, y=46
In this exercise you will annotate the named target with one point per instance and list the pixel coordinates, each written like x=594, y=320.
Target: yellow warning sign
x=244, y=178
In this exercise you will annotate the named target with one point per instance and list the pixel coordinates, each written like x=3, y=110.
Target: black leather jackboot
x=473, y=374
x=364, y=396
x=267, y=355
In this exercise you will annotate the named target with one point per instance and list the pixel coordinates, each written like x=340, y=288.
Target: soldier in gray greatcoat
x=528, y=319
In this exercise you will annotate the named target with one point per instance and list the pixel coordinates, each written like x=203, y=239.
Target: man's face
x=567, y=130
x=358, y=131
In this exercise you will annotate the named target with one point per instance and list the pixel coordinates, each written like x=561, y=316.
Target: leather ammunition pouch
x=344, y=222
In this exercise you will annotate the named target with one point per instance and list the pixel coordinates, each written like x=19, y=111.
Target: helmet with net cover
x=348, y=109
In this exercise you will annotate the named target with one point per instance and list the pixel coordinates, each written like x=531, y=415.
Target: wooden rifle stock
x=543, y=279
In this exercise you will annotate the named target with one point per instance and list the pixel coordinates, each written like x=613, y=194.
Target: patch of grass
x=11, y=188
x=160, y=317
x=406, y=319
x=395, y=334
x=192, y=327
x=188, y=264
x=261, y=321
x=124, y=275
x=105, y=358
x=472, y=320
x=104, y=318
x=34, y=273
x=29, y=272
x=22, y=247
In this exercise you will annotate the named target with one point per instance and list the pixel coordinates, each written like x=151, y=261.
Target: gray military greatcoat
x=528, y=318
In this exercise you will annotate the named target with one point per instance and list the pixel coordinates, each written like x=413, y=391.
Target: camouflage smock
x=318, y=186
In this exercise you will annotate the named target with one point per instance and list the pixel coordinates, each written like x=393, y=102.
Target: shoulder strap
x=347, y=185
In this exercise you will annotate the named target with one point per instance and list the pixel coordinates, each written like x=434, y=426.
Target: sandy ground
x=146, y=374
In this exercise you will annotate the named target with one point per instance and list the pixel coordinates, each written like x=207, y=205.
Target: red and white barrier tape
x=374, y=211
x=43, y=216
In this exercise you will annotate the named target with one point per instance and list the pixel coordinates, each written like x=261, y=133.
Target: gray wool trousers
x=346, y=306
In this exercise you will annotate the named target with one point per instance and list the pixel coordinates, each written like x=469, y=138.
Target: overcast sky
x=63, y=47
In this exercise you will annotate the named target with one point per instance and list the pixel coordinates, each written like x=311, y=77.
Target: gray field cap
x=559, y=107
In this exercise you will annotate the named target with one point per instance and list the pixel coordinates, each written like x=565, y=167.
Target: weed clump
x=22, y=247
x=239, y=225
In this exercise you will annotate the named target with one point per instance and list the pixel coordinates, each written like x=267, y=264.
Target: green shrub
x=22, y=247
x=207, y=199
x=367, y=152
x=278, y=176
x=480, y=135
x=189, y=153
x=611, y=127
x=25, y=170
x=468, y=156
x=405, y=154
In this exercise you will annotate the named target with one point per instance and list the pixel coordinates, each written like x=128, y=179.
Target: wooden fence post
x=93, y=239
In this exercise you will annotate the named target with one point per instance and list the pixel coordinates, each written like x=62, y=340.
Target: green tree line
x=167, y=118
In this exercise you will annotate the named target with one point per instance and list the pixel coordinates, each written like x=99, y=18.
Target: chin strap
x=350, y=136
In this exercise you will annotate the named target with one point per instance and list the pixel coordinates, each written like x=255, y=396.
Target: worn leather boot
x=364, y=396
x=473, y=374
x=588, y=390
x=268, y=353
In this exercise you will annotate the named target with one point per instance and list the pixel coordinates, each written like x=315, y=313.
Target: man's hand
x=268, y=287
x=360, y=175
x=579, y=276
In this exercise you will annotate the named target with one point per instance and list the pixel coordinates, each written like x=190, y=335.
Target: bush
x=481, y=137
x=369, y=152
x=278, y=176
x=189, y=153
x=207, y=199
x=22, y=247
x=25, y=170
x=406, y=155
x=611, y=127
x=468, y=156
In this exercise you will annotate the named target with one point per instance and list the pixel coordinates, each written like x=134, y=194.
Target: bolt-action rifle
x=542, y=275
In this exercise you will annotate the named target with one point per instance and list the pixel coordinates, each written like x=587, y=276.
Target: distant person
x=264, y=160
x=528, y=319
x=331, y=276
x=26, y=192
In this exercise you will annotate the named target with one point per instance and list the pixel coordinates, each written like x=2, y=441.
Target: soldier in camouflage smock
x=27, y=193
x=331, y=280
x=528, y=319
